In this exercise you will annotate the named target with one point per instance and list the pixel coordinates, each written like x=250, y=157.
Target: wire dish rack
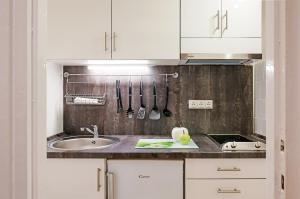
x=83, y=99
x=80, y=99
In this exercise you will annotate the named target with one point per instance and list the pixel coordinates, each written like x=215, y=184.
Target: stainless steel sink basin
x=83, y=143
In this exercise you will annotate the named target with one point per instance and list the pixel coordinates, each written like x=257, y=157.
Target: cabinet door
x=79, y=29
x=75, y=179
x=201, y=18
x=145, y=29
x=241, y=18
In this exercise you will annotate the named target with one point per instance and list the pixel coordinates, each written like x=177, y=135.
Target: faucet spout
x=94, y=131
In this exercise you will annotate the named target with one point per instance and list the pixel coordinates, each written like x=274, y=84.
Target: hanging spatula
x=142, y=111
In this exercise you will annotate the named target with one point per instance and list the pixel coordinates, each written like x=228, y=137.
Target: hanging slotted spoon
x=142, y=111
x=155, y=113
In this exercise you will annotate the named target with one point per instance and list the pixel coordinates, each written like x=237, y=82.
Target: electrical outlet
x=200, y=104
x=209, y=104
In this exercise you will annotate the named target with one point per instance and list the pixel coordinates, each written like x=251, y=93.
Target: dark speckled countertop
x=125, y=149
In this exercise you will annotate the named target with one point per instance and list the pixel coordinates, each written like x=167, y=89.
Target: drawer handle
x=233, y=169
x=228, y=190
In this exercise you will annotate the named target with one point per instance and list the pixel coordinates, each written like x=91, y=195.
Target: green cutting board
x=163, y=144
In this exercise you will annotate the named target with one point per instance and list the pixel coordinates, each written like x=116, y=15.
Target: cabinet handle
x=218, y=20
x=114, y=41
x=233, y=169
x=226, y=20
x=105, y=41
x=228, y=190
x=110, y=185
x=98, y=179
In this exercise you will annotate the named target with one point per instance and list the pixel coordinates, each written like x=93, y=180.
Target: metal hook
x=175, y=75
x=105, y=87
x=166, y=80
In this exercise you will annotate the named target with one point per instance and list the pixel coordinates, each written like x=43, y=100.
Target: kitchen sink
x=83, y=143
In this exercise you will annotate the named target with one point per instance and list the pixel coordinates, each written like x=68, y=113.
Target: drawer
x=226, y=189
x=225, y=168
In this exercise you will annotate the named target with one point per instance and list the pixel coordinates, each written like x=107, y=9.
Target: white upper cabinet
x=221, y=18
x=201, y=18
x=145, y=29
x=141, y=29
x=242, y=18
x=79, y=29
x=221, y=26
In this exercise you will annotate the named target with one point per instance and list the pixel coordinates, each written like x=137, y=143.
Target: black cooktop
x=223, y=138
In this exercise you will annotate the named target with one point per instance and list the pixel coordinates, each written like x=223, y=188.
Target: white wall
x=54, y=99
x=293, y=99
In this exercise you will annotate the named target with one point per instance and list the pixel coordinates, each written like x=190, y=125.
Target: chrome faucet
x=94, y=132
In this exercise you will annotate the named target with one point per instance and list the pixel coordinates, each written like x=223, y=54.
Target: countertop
x=125, y=149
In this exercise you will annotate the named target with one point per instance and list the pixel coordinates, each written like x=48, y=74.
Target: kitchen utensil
x=155, y=113
x=120, y=97
x=166, y=111
x=130, y=111
x=119, y=100
x=142, y=110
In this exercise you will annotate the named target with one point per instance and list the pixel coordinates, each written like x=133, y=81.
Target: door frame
x=17, y=116
x=275, y=94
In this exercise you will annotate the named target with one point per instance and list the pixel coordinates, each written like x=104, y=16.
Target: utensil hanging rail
x=174, y=75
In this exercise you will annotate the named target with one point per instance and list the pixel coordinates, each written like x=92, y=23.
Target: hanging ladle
x=166, y=111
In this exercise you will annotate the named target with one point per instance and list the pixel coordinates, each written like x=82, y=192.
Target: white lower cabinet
x=225, y=178
x=75, y=179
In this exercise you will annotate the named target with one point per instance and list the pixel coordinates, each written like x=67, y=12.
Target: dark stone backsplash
x=230, y=88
